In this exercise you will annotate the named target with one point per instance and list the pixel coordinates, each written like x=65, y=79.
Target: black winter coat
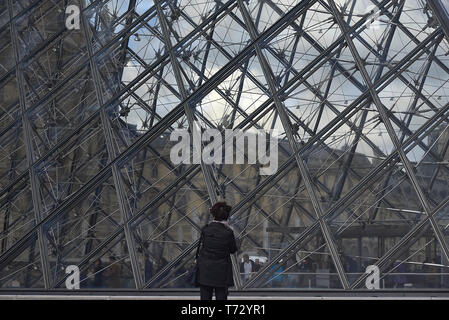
x=214, y=261
x=242, y=266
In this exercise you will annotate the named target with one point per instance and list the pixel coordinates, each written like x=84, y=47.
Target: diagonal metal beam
x=441, y=14
x=281, y=169
x=112, y=153
x=385, y=119
x=187, y=107
x=340, y=206
x=388, y=256
x=292, y=69
x=34, y=181
x=268, y=74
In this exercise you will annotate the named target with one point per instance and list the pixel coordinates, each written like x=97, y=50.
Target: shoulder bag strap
x=199, y=245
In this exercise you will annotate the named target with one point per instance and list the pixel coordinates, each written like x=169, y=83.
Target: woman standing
x=214, y=262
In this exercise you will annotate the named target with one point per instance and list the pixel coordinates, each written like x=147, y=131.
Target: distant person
x=433, y=273
x=306, y=265
x=98, y=274
x=112, y=273
x=246, y=267
x=350, y=266
x=399, y=275
x=214, y=260
x=148, y=268
x=292, y=271
x=276, y=277
x=306, y=268
x=256, y=266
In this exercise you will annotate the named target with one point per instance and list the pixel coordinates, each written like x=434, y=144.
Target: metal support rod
x=144, y=73
x=290, y=67
x=112, y=153
x=188, y=110
x=340, y=205
x=340, y=118
x=386, y=258
x=441, y=14
x=409, y=34
x=415, y=100
x=34, y=180
x=381, y=109
x=174, y=114
x=131, y=13
x=186, y=107
x=300, y=162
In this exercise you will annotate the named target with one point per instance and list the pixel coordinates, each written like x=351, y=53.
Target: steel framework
x=358, y=91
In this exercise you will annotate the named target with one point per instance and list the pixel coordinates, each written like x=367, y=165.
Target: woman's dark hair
x=220, y=211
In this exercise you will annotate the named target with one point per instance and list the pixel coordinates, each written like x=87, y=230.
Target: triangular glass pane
x=25, y=270
x=9, y=94
x=53, y=120
x=16, y=214
x=419, y=266
x=309, y=266
x=13, y=154
x=109, y=269
x=78, y=232
x=273, y=220
x=388, y=208
x=168, y=223
x=180, y=275
x=79, y=159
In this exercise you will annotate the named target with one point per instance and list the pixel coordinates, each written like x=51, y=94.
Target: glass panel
x=110, y=270
x=25, y=270
x=17, y=216
x=311, y=267
x=90, y=173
